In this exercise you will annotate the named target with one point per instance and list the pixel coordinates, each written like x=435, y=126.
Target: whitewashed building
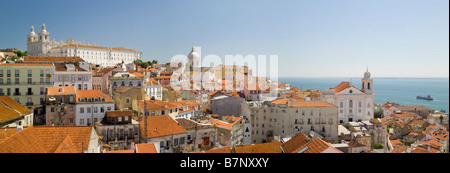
x=91, y=106
x=353, y=104
x=40, y=45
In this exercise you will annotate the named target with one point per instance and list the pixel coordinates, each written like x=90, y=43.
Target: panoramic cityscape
x=197, y=85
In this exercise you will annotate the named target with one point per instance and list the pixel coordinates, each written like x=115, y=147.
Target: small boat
x=425, y=98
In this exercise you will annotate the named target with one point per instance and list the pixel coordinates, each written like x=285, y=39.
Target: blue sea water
x=399, y=90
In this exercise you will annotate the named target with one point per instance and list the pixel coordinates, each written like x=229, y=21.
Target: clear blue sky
x=312, y=38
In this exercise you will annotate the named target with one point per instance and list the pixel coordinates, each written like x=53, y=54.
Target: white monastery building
x=40, y=45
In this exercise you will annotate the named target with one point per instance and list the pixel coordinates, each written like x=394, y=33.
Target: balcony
x=27, y=83
x=29, y=93
x=16, y=94
x=29, y=103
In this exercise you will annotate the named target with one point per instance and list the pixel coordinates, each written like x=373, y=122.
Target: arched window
x=350, y=104
x=368, y=85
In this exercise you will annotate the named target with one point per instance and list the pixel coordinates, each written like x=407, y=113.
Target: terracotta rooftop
x=25, y=64
x=225, y=149
x=414, y=108
x=158, y=104
x=292, y=146
x=158, y=126
x=341, y=86
x=61, y=90
x=92, y=94
x=118, y=113
x=146, y=148
x=302, y=103
x=48, y=139
x=99, y=47
x=270, y=147
x=52, y=59
x=11, y=110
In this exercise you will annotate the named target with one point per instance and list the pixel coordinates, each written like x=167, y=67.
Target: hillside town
x=73, y=97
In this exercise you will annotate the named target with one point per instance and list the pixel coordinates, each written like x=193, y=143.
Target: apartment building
x=91, y=106
x=60, y=105
x=118, y=129
x=288, y=117
x=166, y=131
x=73, y=75
x=26, y=83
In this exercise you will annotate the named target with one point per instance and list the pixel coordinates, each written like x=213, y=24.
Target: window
x=82, y=121
x=29, y=81
x=82, y=110
x=29, y=73
x=350, y=104
x=341, y=105
x=17, y=73
x=175, y=142
x=88, y=110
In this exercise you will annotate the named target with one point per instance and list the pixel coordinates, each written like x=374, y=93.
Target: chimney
x=19, y=128
x=145, y=127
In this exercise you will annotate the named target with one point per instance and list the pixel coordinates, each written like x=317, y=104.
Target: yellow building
x=26, y=82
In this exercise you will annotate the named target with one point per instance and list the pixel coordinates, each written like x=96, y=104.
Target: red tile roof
x=61, y=90
x=92, y=94
x=158, y=126
x=146, y=148
x=48, y=139
x=270, y=147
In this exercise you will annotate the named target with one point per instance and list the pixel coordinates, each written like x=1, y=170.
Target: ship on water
x=425, y=98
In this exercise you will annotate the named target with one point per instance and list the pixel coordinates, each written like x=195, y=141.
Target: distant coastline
x=447, y=78
x=402, y=90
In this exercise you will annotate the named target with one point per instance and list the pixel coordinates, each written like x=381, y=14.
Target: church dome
x=193, y=55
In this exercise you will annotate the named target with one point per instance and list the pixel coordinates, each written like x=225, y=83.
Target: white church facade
x=353, y=104
x=40, y=45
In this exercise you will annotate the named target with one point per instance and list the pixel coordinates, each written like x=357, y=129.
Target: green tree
x=20, y=53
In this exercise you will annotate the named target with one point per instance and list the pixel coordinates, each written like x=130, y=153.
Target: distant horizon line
x=372, y=77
